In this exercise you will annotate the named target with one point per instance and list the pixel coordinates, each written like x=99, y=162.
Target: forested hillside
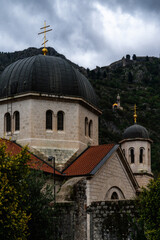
x=136, y=80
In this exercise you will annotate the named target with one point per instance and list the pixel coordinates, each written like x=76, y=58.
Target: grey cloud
x=132, y=6
x=74, y=25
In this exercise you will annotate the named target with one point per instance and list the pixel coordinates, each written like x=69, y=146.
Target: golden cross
x=44, y=50
x=135, y=115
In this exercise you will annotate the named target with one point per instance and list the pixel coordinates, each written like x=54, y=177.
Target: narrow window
x=49, y=120
x=86, y=126
x=90, y=128
x=132, y=155
x=141, y=155
x=60, y=121
x=8, y=122
x=149, y=157
x=114, y=196
x=17, y=121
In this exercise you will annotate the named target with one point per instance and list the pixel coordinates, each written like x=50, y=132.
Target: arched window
x=132, y=155
x=49, y=120
x=7, y=122
x=141, y=155
x=86, y=126
x=114, y=196
x=60, y=121
x=16, y=121
x=90, y=130
x=114, y=193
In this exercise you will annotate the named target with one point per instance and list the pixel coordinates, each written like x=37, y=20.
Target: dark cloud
x=88, y=32
x=134, y=5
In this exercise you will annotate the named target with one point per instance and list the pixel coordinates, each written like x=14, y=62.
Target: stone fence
x=114, y=220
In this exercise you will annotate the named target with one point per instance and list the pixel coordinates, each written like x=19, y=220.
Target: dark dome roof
x=45, y=74
x=136, y=131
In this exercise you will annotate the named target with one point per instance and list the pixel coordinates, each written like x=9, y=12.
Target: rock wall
x=113, y=220
x=108, y=220
x=70, y=214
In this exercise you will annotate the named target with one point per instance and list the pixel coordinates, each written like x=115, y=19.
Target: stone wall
x=143, y=179
x=109, y=220
x=112, y=174
x=80, y=210
x=103, y=220
x=32, y=110
x=137, y=166
x=113, y=220
x=71, y=216
x=63, y=221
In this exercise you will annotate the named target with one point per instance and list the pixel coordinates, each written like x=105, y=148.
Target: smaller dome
x=136, y=131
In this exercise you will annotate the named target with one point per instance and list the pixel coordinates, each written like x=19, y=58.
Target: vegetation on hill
x=137, y=81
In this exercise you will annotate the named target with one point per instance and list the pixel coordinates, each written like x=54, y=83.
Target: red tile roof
x=35, y=163
x=88, y=160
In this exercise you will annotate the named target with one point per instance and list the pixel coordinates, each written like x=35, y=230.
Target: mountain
x=136, y=80
x=8, y=58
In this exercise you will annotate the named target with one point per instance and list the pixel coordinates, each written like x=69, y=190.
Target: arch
x=114, y=193
x=90, y=128
x=7, y=122
x=86, y=126
x=60, y=121
x=131, y=155
x=49, y=119
x=16, y=116
x=141, y=155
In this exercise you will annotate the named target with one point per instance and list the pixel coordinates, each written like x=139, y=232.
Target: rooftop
x=90, y=160
x=48, y=75
x=35, y=163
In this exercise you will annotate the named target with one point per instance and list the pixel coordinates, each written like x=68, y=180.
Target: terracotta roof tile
x=88, y=160
x=35, y=162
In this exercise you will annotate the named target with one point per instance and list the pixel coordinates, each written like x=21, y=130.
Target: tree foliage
x=40, y=196
x=25, y=211
x=14, y=215
x=149, y=208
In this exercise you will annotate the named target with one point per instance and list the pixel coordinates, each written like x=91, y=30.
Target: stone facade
x=111, y=177
x=137, y=145
x=32, y=110
x=143, y=178
x=141, y=168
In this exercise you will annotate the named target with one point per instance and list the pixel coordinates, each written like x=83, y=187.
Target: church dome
x=136, y=131
x=48, y=75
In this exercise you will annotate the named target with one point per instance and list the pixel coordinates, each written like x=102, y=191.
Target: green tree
x=41, y=224
x=13, y=194
x=130, y=77
x=149, y=209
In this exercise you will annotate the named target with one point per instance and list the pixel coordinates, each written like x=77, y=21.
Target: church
x=50, y=106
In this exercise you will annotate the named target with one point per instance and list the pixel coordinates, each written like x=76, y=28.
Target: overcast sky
x=88, y=32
